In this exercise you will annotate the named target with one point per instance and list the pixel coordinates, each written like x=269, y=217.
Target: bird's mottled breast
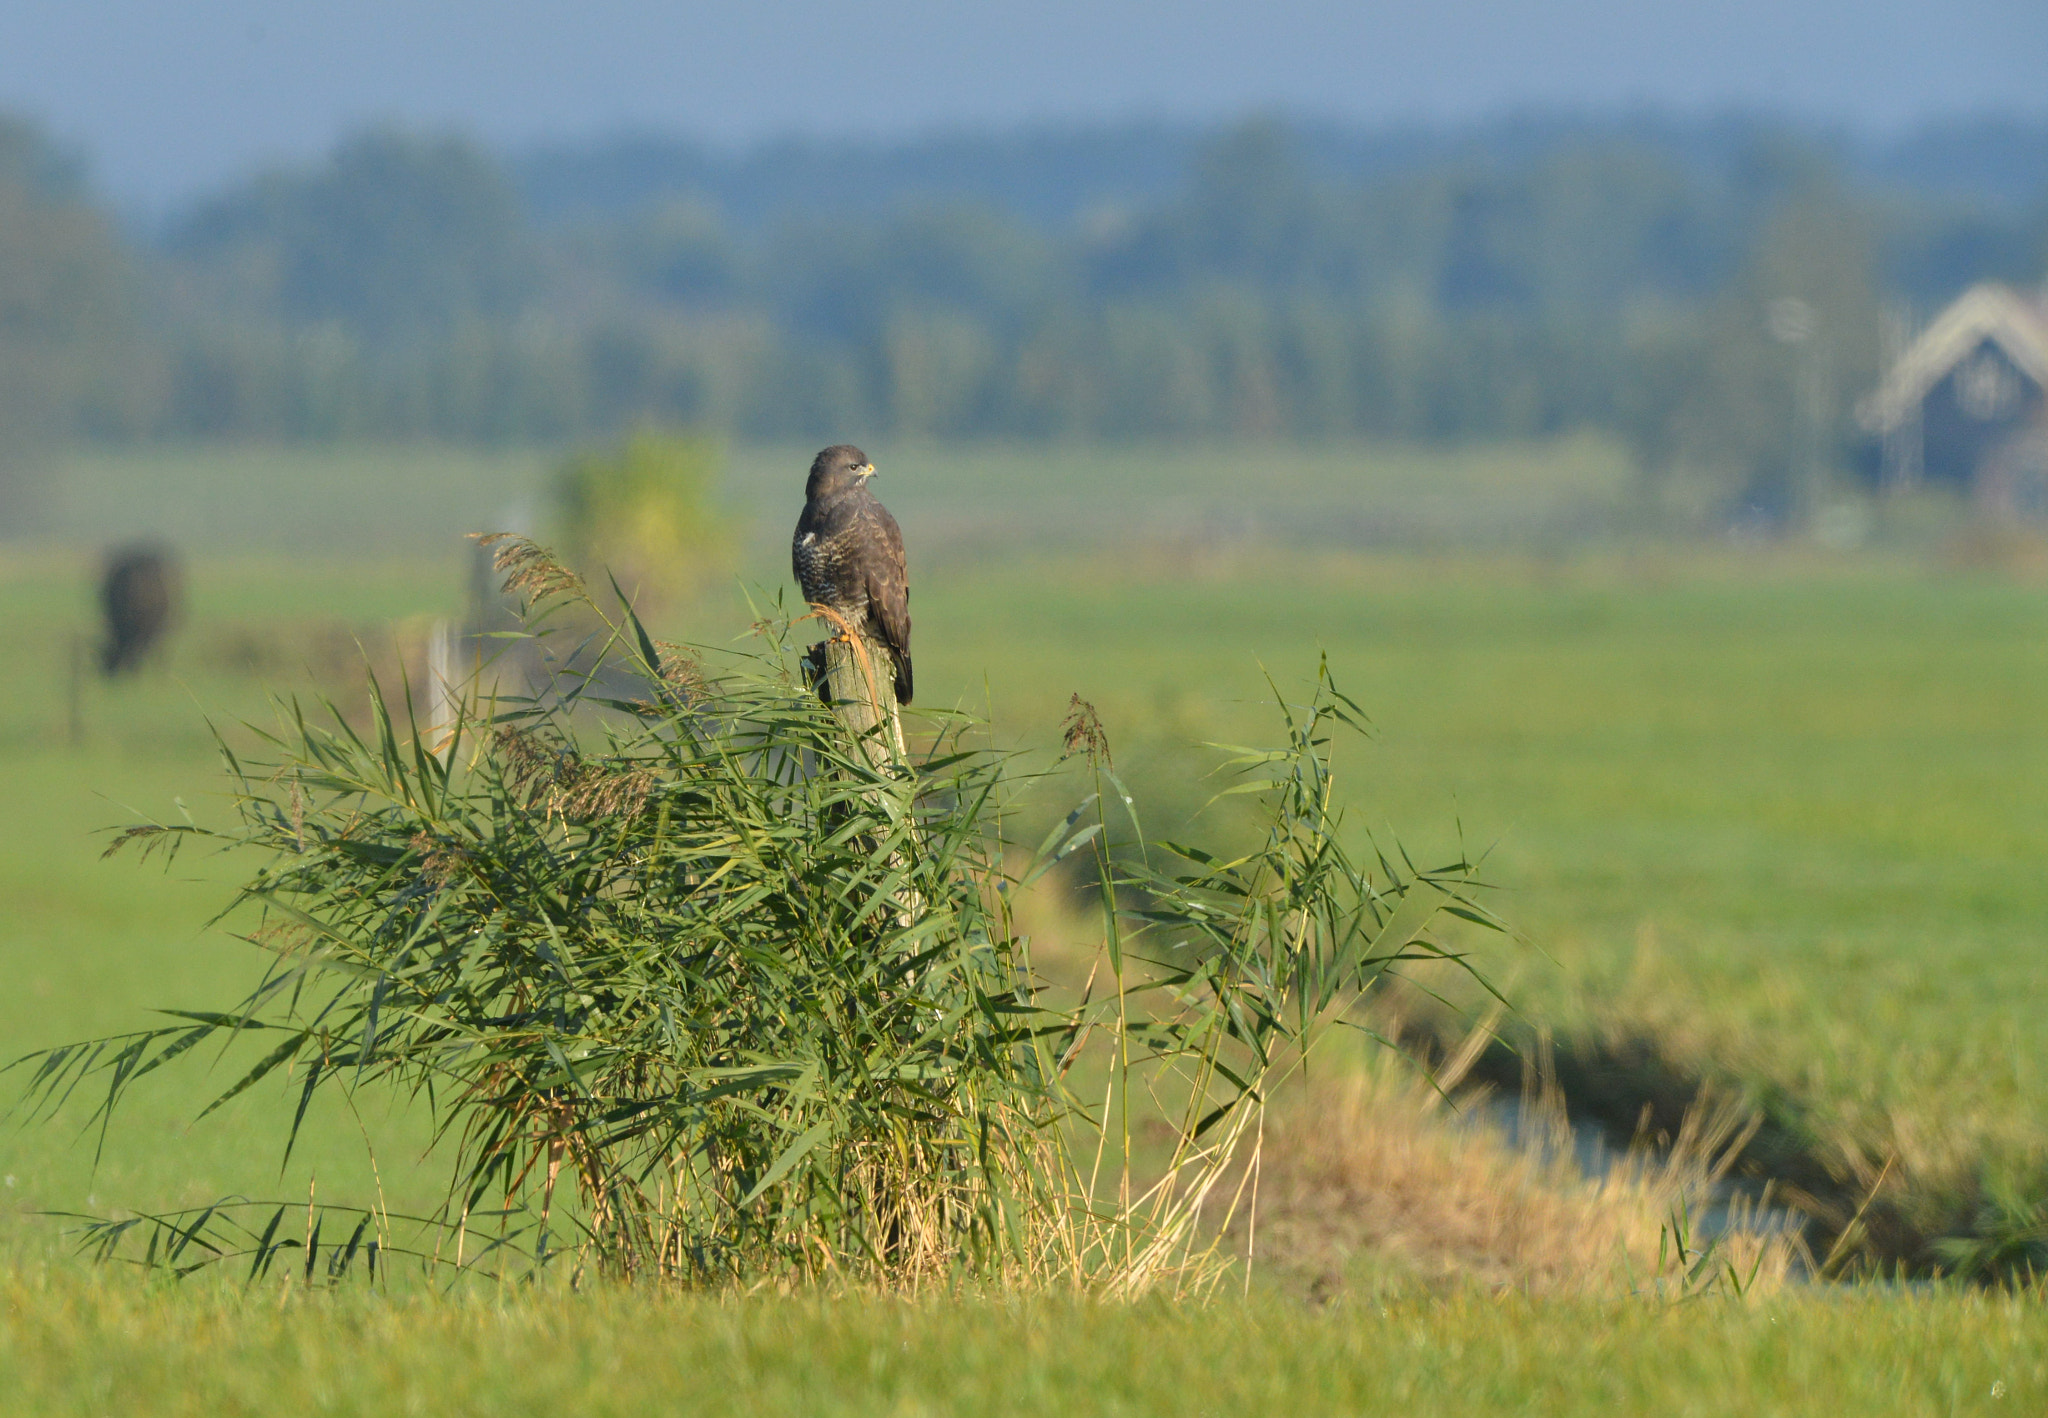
x=821, y=562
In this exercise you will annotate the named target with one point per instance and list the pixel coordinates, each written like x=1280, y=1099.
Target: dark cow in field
x=139, y=599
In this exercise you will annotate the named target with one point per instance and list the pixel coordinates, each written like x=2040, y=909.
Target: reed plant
x=696, y=986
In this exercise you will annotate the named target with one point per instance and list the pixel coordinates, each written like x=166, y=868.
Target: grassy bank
x=68, y=1346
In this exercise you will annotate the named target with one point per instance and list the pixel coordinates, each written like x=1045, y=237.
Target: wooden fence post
x=74, y=690
x=857, y=677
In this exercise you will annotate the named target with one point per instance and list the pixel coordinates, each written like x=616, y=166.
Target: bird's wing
x=888, y=590
x=800, y=543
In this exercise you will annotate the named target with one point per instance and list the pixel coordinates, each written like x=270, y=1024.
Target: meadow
x=1774, y=810
x=67, y=1348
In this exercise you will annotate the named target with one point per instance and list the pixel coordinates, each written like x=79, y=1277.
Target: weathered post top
x=856, y=677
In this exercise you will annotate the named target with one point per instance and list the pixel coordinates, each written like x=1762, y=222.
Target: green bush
x=645, y=511
x=697, y=986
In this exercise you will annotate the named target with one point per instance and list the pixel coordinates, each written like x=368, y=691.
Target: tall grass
x=1370, y=1179
x=696, y=986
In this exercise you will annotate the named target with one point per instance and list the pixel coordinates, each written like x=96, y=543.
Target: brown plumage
x=848, y=554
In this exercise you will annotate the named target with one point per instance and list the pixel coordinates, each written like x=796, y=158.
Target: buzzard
x=848, y=554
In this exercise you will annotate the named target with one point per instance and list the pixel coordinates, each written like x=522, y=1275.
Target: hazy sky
x=170, y=97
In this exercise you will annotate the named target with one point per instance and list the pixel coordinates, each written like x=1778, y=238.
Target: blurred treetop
x=1520, y=277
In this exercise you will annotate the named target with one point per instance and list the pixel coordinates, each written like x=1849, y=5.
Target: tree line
x=1247, y=284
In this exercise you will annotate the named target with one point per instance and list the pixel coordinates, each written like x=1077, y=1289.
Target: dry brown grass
x=1370, y=1170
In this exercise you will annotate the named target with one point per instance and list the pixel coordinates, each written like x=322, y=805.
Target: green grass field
x=72, y=1348
x=340, y=500
x=1781, y=812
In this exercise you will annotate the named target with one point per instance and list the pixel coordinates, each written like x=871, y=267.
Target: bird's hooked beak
x=866, y=470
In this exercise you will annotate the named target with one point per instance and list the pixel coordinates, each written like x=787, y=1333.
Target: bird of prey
x=848, y=554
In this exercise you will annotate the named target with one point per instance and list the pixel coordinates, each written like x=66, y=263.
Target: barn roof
x=2015, y=322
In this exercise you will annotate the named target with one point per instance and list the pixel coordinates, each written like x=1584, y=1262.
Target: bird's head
x=840, y=468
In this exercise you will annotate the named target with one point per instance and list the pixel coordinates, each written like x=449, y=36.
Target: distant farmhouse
x=1963, y=405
